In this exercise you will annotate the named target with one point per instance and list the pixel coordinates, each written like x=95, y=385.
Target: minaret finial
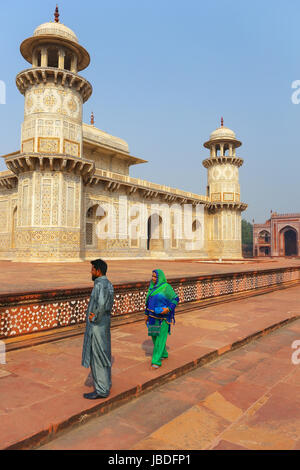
x=222, y=121
x=92, y=119
x=56, y=15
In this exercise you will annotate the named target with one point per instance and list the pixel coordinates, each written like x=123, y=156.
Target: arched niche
x=94, y=214
x=289, y=241
x=155, y=241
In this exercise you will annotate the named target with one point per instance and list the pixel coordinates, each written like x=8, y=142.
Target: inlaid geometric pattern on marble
x=47, y=313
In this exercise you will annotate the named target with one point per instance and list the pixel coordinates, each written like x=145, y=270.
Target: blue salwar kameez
x=96, y=352
x=160, y=295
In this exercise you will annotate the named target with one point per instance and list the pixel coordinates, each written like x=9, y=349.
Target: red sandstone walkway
x=28, y=277
x=41, y=387
x=249, y=399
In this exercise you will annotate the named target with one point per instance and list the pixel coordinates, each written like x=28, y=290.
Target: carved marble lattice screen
x=65, y=308
x=89, y=233
x=70, y=206
x=25, y=203
x=46, y=201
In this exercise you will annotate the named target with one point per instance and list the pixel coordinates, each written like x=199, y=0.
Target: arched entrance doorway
x=264, y=236
x=196, y=242
x=290, y=243
x=94, y=215
x=155, y=241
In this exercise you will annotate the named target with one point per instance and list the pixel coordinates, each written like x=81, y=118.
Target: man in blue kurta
x=96, y=352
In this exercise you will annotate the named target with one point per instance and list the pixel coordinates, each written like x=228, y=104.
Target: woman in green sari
x=161, y=302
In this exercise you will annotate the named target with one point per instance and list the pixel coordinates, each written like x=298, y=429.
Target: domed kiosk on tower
x=222, y=142
x=55, y=45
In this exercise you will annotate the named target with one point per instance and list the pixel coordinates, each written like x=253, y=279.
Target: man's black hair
x=99, y=264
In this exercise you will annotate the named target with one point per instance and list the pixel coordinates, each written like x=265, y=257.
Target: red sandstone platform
x=41, y=387
x=228, y=404
x=32, y=277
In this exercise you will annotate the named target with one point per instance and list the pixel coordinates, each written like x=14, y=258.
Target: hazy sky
x=165, y=71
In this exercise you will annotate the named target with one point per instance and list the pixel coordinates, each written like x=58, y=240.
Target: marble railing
x=147, y=184
x=26, y=313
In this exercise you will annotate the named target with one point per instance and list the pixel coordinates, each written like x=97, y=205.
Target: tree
x=247, y=238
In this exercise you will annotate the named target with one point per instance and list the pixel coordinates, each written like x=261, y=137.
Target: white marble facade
x=59, y=187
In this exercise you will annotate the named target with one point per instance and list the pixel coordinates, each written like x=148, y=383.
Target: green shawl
x=161, y=287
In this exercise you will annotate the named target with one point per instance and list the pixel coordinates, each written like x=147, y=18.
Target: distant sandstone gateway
x=56, y=188
x=278, y=236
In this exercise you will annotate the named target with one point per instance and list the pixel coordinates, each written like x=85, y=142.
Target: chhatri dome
x=56, y=29
x=58, y=34
x=222, y=134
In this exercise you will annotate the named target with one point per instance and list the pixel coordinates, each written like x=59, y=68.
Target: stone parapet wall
x=22, y=314
x=147, y=184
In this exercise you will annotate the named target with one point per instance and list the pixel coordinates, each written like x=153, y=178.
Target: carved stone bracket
x=30, y=77
x=148, y=193
x=8, y=181
x=112, y=186
x=214, y=206
x=208, y=162
x=25, y=162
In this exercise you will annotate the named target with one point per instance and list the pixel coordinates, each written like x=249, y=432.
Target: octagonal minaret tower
x=223, y=189
x=50, y=167
x=53, y=90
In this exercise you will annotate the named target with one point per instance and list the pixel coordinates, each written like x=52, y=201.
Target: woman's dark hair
x=100, y=265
